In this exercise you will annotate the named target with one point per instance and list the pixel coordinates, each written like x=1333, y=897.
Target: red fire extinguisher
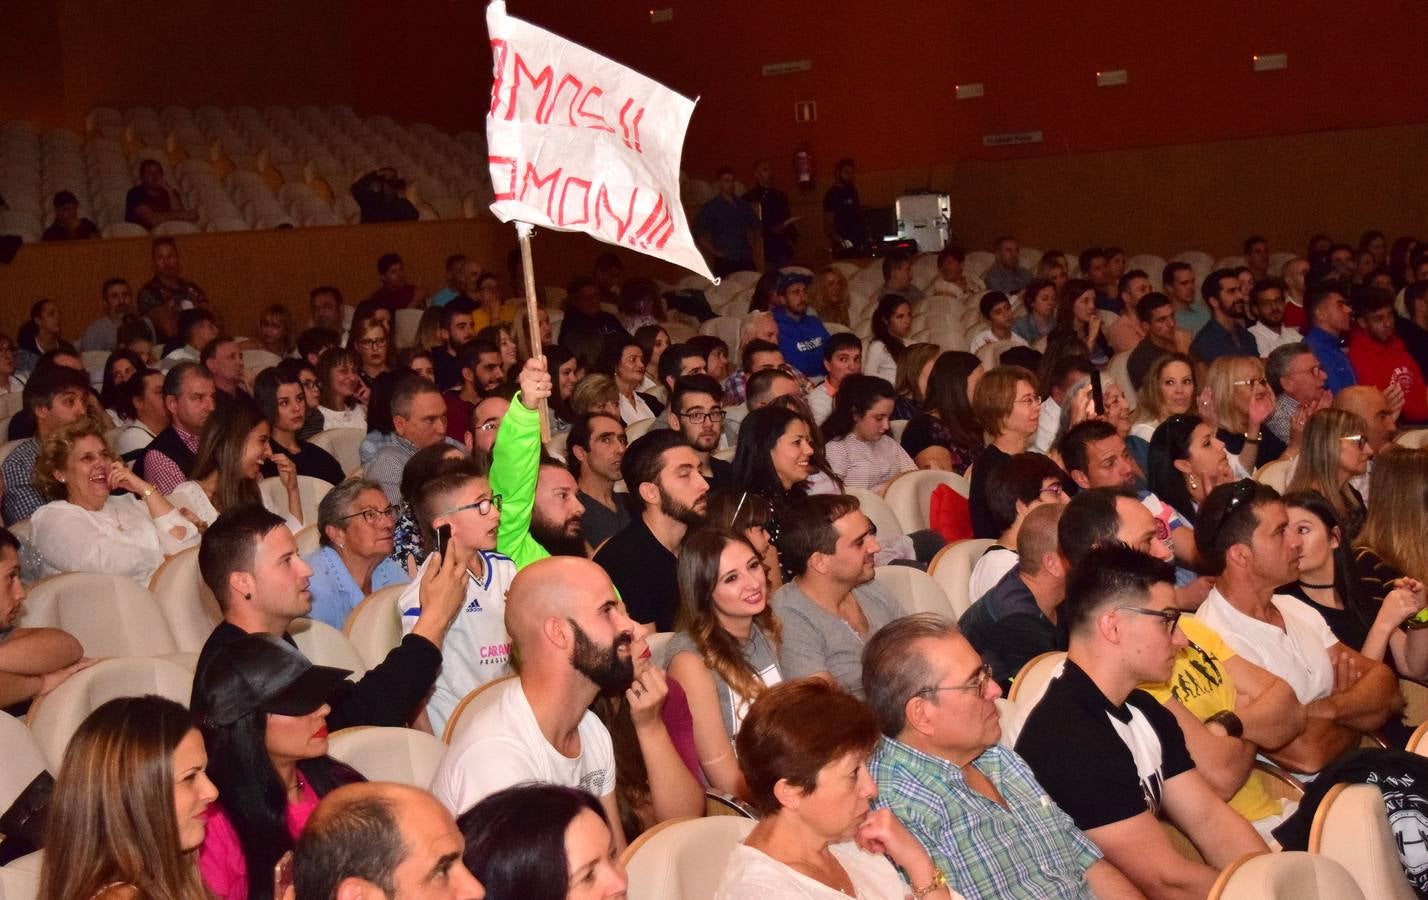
x=803, y=167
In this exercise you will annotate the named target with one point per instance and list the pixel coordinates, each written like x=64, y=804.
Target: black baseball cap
x=261, y=673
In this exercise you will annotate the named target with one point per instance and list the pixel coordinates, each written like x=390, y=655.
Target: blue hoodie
x=801, y=341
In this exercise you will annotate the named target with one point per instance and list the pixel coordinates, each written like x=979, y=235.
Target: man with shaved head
x=572, y=641
x=377, y=839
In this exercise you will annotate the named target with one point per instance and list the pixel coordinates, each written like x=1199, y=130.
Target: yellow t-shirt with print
x=1201, y=682
x=505, y=315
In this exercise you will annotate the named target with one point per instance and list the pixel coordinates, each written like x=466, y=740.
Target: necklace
x=1316, y=587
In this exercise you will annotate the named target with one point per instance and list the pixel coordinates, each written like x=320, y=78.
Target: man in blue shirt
x=1225, y=334
x=1328, y=313
x=1006, y=274
x=800, y=332
x=722, y=229
x=973, y=803
x=1178, y=281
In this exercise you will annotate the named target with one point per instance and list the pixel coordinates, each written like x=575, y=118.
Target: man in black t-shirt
x=1108, y=753
x=843, y=223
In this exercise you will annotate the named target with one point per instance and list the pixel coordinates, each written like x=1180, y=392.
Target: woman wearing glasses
x=804, y=752
x=371, y=342
x=1335, y=450
x=1242, y=403
x=280, y=399
x=1008, y=407
x=354, y=555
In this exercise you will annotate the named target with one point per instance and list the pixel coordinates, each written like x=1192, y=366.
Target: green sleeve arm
x=515, y=466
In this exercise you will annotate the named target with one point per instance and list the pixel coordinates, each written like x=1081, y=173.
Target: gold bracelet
x=149, y=493
x=939, y=880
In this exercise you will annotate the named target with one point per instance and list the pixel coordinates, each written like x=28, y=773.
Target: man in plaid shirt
x=974, y=804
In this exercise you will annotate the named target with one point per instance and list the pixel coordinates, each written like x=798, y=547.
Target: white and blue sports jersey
x=477, y=648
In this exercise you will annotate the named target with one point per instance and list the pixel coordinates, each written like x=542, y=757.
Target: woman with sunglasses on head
x=129, y=807
x=1335, y=450
x=281, y=400
x=1243, y=402
x=263, y=711
x=1370, y=614
x=356, y=525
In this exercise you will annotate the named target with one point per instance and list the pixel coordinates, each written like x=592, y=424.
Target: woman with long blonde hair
x=727, y=648
x=829, y=296
x=1392, y=536
x=1168, y=390
x=1336, y=449
x=128, y=810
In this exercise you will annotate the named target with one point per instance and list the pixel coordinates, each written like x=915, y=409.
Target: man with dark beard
x=573, y=640
x=541, y=510
x=668, y=495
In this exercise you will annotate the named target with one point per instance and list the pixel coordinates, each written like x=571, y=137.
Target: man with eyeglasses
x=478, y=648
x=1019, y=619
x=942, y=771
x=696, y=411
x=1298, y=383
x=596, y=447
x=486, y=418
x=1225, y=334
x=1107, y=752
x=1227, y=707
x=668, y=497
x=1267, y=299
x=1244, y=538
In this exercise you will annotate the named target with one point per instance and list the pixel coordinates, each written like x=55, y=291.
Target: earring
x=61, y=481
x=247, y=596
x=1193, y=482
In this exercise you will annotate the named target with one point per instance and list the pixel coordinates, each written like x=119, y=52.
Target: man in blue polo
x=801, y=334
x=1226, y=333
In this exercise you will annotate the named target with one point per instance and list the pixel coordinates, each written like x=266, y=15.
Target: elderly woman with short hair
x=356, y=522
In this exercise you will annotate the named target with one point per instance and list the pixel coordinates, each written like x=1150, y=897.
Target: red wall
x=884, y=87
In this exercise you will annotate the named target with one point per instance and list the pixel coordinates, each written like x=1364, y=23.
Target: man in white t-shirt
x=1243, y=536
x=477, y=648
x=573, y=640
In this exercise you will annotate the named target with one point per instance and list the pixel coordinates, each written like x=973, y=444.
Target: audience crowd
x=1189, y=491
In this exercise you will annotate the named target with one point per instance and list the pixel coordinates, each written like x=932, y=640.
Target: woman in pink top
x=263, y=711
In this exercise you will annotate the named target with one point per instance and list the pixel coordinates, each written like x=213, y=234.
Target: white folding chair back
x=482, y=697
x=878, y=512
x=326, y=646
x=23, y=759
x=56, y=717
x=21, y=879
x=909, y=495
x=403, y=755
x=405, y=325
x=1031, y=682
x=308, y=539
x=1414, y=439
x=187, y=605
x=1351, y=827
x=259, y=360
x=952, y=570
x=914, y=589
x=683, y=859
x=310, y=492
x=1275, y=473
x=109, y=615
x=344, y=444
x=1287, y=875
x=374, y=626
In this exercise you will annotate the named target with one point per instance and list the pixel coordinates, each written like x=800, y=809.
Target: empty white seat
x=108, y=614
x=56, y=717
x=344, y=444
x=914, y=589
x=403, y=755
x=952, y=570
x=310, y=492
x=877, y=511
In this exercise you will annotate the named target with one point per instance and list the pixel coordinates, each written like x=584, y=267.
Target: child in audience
x=997, y=310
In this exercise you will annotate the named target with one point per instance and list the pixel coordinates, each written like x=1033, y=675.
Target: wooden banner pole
x=523, y=233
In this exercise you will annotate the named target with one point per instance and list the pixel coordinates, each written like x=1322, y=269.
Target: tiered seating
x=238, y=169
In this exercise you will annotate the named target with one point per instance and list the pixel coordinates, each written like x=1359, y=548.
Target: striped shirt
x=1030, y=849
x=867, y=465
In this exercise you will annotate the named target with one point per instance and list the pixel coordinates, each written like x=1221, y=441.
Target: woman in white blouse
x=226, y=468
x=892, y=323
x=624, y=361
x=342, y=393
x=85, y=528
x=804, y=751
x=859, y=448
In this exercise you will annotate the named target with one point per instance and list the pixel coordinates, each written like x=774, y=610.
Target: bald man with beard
x=572, y=639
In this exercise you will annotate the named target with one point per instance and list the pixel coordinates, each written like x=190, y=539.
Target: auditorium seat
x=914, y=589
x=343, y=444
x=20, y=880
x=683, y=859
x=1287, y=875
x=310, y=491
x=109, y=615
x=374, y=626
x=56, y=717
x=909, y=495
x=479, y=699
x=24, y=760
x=402, y=755
x=1351, y=827
x=977, y=263
x=952, y=568
x=326, y=646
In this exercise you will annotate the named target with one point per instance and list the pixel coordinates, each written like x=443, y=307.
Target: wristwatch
x=939, y=880
x=1227, y=720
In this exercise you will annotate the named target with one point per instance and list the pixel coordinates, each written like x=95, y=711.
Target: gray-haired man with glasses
x=972, y=802
x=458, y=513
x=1107, y=752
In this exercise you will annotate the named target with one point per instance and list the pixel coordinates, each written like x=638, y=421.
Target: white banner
x=579, y=142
